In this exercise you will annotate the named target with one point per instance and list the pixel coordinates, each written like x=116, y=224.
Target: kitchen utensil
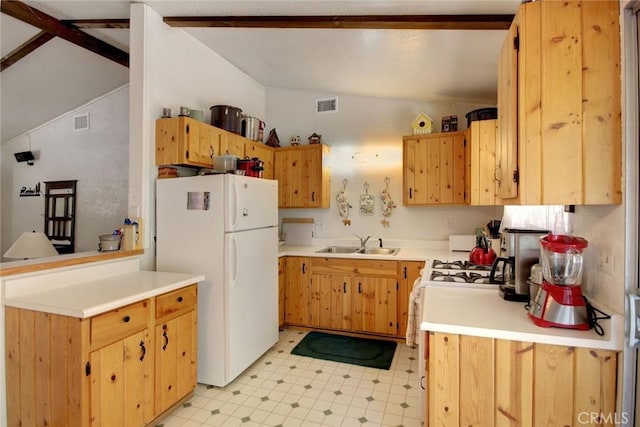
x=184, y=111
x=502, y=271
x=252, y=128
x=227, y=117
x=251, y=167
x=197, y=115
x=482, y=253
x=559, y=301
x=225, y=163
x=109, y=242
x=166, y=113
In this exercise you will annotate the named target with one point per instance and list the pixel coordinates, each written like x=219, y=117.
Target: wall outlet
x=605, y=259
x=450, y=225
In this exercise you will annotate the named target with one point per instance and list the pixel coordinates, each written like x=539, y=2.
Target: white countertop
x=88, y=298
x=482, y=313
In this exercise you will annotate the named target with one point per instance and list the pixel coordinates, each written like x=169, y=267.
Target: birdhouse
x=422, y=124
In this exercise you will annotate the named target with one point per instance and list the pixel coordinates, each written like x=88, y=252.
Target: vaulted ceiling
x=386, y=51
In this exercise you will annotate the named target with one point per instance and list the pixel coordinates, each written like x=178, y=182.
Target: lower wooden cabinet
x=474, y=381
x=282, y=275
x=346, y=294
x=124, y=367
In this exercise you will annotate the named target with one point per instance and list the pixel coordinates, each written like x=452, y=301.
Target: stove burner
x=458, y=265
x=461, y=277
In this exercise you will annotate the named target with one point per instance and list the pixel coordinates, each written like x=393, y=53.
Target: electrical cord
x=593, y=315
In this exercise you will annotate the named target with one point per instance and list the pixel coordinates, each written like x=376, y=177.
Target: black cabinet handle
x=304, y=268
x=410, y=193
x=405, y=272
x=179, y=299
x=144, y=350
x=359, y=287
x=344, y=287
x=126, y=319
x=313, y=196
x=166, y=340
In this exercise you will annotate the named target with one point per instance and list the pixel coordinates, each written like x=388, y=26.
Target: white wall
x=169, y=68
x=98, y=158
x=365, y=140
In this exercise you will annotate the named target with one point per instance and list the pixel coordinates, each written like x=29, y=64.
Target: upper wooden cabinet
x=263, y=152
x=187, y=142
x=303, y=177
x=559, y=106
x=433, y=169
x=483, y=185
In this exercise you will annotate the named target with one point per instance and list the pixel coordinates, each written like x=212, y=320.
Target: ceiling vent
x=327, y=105
x=81, y=122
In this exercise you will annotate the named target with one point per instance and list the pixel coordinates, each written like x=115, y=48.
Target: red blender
x=559, y=301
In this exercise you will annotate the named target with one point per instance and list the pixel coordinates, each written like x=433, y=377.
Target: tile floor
x=284, y=390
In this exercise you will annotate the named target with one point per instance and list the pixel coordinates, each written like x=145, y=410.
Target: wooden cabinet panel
x=303, y=177
x=374, y=305
x=263, y=152
x=408, y=272
x=185, y=141
x=175, y=359
x=434, y=169
x=482, y=182
x=297, y=291
x=562, y=103
x=119, y=393
x=486, y=381
x=119, y=323
x=282, y=277
x=231, y=143
x=357, y=266
x=174, y=303
x=330, y=301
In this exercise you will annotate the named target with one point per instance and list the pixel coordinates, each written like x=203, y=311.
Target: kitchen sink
x=357, y=250
x=339, y=250
x=379, y=251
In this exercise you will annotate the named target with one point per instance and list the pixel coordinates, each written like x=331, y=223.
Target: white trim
x=630, y=111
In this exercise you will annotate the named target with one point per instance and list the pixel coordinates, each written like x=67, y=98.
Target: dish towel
x=413, y=322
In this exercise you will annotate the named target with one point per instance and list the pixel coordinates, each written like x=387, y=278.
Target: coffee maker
x=559, y=301
x=519, y=250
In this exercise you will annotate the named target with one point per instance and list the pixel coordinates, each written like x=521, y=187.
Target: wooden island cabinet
x=477, y=381
x=124, y=367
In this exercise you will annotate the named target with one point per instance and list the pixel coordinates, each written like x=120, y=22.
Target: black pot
x=227, y=117
x=481, y=114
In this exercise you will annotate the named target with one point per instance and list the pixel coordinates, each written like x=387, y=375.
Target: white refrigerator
x=225, y=227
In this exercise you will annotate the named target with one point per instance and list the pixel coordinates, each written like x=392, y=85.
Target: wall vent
x=327, y=105
x=81, y=122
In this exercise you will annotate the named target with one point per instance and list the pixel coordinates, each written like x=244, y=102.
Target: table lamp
x=31, y=245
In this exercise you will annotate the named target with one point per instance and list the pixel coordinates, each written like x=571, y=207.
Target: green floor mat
x=357, y=351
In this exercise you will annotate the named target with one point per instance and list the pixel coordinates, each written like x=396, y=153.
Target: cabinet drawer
x=176, y=302
x=119, y=323
x=356, y=266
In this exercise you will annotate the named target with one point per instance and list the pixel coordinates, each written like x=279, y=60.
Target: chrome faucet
x=363, y=240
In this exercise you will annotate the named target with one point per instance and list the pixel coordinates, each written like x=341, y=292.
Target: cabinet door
x=264, y=153
x=311, y=181
x=121, y=384
x=199, y=144
x=289, y=175
x=434, y=169
x=408, y=272
x=232, y=144
x=175, y=342
x=282, y=277
x=330, y=301
x=297, y=291
x=483, y=185
x=507, y=155
x=375, y=305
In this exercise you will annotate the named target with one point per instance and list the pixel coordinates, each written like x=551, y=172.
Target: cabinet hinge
x=464, y=142
x=187, y=128
x=186, y=153
x=516, y=176
x=87, y=369
x=516, y=42
x=397, y=286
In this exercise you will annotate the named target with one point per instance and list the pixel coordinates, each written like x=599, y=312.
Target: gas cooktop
x=459, y=272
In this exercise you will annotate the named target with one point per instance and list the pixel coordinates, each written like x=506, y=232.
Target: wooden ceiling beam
x=97, y=23
x=51, y=25
x=24, y=49
x=381, y=22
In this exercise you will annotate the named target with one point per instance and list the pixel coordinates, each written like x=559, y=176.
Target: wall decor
x=343, y=203
x=386, y=203
x=367, y=201
x=30, y=192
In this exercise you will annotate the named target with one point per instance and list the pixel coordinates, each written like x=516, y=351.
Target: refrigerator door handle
x=234, y=261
